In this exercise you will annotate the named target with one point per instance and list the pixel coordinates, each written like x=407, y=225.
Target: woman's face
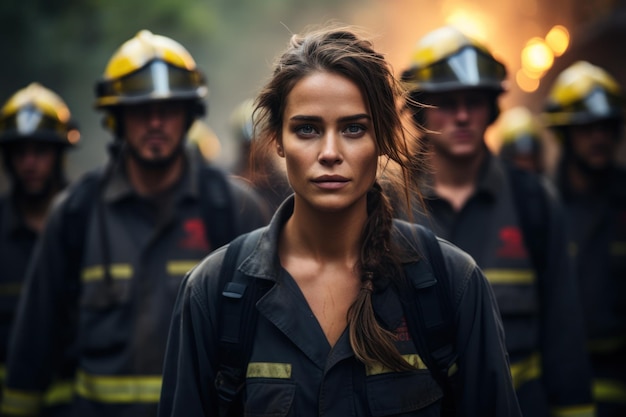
x=328, y=142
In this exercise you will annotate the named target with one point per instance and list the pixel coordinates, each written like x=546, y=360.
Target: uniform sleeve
x=484, y=382
x=566, y=366
x=39, y=338
x=188, y=372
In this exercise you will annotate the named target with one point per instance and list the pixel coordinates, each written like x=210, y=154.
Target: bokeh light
x=558, y=39
x=525, y=82
x=537, y=57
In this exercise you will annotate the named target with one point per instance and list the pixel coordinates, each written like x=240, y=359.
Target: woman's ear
x=279, y=150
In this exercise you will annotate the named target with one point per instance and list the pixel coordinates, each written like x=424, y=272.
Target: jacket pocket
x=404, y=394
x=100, y=293
x=269, y=397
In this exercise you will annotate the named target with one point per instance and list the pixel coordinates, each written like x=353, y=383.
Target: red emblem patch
x=512, y=243
x=195, y=235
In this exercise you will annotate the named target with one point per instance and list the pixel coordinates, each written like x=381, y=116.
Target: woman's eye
x=354, y=130
x=305, y=130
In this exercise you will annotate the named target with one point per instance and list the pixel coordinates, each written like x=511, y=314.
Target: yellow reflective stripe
x=606, y=345
x=510, y=276
x=618, y=249
x=119, y=389
x=180, y=267
x=21, y=403
x=59, y=392
x=526, y=370
x=412, y=359
x=118, y=271
x=12, y=288
x=586, y=410
x=268, y=370
x=609, y=391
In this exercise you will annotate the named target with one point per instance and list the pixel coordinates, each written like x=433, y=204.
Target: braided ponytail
x=371, y=343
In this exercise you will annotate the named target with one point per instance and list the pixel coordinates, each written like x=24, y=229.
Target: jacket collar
x=263, y=261
x=118, y=186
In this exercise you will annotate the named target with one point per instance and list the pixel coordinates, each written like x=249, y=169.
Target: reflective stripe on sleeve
x=510, y=276
x=60, y=392
x=180, y=267
x=609, y=391
x=586, y=410
x=21, y=403
x=526, y=370
x=96, y=272
x=119, y=389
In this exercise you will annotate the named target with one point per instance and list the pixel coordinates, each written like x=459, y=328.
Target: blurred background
x=66, y=44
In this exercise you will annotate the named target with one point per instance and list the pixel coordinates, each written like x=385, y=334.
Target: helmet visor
x=29, y=121
x=597, y=105
x=468, y=68
x=157, y=80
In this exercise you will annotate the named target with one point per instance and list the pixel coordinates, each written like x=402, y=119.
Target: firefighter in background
x=117, y=245
x=504, y=217
x=266, y=172
x=520, y=134
x=585, y=109
x=36, y=130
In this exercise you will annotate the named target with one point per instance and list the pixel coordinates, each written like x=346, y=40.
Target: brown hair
x=340, y=50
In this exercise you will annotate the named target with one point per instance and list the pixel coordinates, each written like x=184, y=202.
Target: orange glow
x=73, y=136
x=537, y=56
x=526, y=83
x=558, y=39
x=471, y=23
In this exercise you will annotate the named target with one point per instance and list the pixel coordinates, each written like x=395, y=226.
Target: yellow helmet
x=583, y=93
x=37, y=113
x=447, y=59
x=150, y=67
x=519, y=131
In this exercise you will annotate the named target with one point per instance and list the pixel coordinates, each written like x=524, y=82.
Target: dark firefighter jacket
x=597, y=224
x=540, y=305
x=120, y=321
x=293, y=371
x=17, y=242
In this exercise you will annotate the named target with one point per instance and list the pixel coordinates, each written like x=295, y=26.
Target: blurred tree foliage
x=65, y=45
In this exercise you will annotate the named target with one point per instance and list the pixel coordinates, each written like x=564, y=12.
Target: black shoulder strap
x=531, y=203
x=238, y=316
x=217, y=207
x=429, y=310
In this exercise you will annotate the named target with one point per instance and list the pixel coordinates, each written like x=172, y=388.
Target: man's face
x=155, y=131
x=34, y=166
x=594, y=144
x=458, y=122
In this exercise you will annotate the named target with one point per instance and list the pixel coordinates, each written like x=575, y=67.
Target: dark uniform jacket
x=293, y=371
x=597, y=226
x=120, y=320
x=540, y=306
x=17, y=241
